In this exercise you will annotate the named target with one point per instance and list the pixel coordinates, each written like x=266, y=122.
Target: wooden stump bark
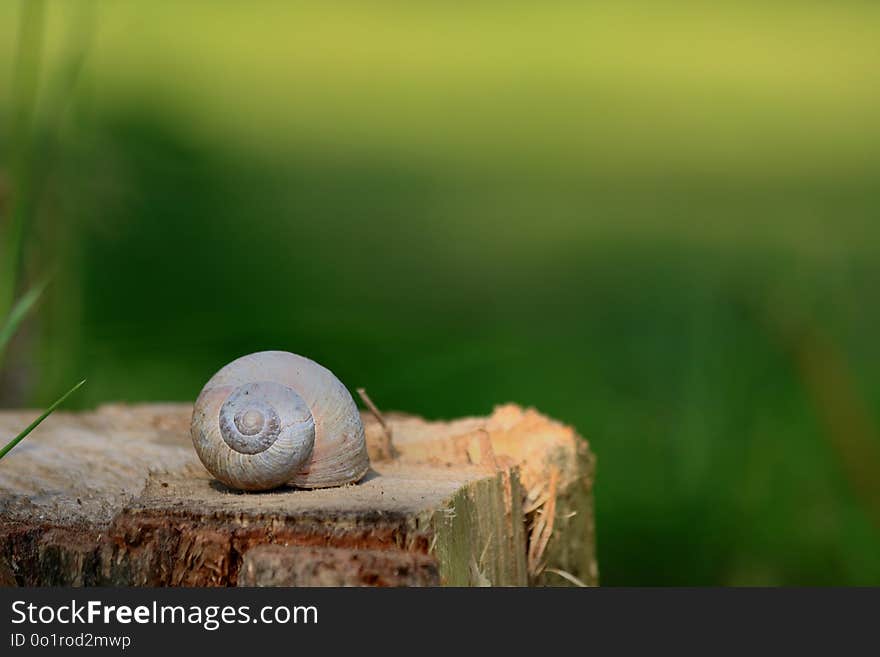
x=117, y=497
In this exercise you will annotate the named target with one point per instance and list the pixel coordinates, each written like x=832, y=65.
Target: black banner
x=411, y=621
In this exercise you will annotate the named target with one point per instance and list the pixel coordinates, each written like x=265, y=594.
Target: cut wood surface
x=118, y=497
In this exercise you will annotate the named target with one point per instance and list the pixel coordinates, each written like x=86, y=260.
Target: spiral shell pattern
x=272, y=418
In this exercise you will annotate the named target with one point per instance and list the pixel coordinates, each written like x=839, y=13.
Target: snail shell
x=273, y=418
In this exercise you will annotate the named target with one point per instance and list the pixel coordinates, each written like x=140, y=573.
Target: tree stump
x=117, y=497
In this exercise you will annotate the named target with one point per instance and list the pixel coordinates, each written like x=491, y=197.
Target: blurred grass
x=17, y=315
x=26, y=75
x=600, y=211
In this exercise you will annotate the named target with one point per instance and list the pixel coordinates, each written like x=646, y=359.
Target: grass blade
x=18, y=313
x=33, y=425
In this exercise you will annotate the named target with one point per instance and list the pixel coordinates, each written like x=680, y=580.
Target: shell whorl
x=272, y=418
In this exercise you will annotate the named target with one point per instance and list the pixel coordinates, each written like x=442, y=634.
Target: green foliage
x=21, y=213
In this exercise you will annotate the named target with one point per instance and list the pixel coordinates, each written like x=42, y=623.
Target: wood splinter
x=388, y=451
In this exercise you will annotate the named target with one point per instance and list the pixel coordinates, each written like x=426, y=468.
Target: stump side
x=554, y=464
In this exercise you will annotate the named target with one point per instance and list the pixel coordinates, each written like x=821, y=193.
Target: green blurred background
x=655, y=221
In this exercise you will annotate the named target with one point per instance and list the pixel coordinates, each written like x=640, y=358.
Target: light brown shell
x=311, y=434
